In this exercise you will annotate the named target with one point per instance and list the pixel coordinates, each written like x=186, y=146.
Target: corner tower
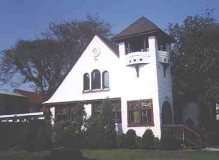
x=146, y=99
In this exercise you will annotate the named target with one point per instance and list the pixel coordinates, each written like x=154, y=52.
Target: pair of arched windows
x=96, y=80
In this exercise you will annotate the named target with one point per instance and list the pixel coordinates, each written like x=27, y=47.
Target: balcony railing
x=137, y=58
x=163, y=57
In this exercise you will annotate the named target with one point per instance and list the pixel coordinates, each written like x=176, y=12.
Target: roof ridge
x=112, y=45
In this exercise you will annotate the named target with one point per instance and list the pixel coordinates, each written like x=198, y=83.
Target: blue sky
x=25, y=19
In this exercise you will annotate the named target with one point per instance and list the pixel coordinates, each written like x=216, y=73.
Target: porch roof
x=51, y=104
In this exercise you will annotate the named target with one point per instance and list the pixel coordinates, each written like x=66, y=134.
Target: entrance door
x=167, y=117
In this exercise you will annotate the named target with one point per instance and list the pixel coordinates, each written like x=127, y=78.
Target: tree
x=47, y=60
x=101, y=128
x=71, y=132
x=195, y=57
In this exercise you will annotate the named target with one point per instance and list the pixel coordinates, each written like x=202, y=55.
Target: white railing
x=163, y=57
x=138, y=58
x=21, y=117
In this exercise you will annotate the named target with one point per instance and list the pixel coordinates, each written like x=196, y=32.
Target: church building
x=132, y=69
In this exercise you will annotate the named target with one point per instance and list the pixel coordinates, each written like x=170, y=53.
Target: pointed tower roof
x=142, y=26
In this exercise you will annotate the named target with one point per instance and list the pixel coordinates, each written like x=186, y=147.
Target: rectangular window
x=140, y=113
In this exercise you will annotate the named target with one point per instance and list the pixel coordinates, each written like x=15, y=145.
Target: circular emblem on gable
x=96, y=53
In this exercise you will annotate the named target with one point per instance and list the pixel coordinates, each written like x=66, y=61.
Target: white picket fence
x=22, y=117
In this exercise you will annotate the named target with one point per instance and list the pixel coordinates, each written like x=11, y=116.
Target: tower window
x=137, y=44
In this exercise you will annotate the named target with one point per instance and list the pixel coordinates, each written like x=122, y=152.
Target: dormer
x=141, y=39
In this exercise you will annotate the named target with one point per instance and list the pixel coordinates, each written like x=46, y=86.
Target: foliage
x=148, y=139
x=101, y=128
x=139, y=143
x=31, y=136
x=168, y=141
x=45, y=61
x=194, y=58
x=35, y=135
x=157, y=144
x=71, y=133
x=131, y=139
x=120, y=140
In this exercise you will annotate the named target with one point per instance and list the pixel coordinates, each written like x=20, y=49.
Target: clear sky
x=25, y=19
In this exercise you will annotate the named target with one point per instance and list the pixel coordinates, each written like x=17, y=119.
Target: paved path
x=211, y=149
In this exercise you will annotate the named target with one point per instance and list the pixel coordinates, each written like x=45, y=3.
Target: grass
x=22, y=155
x=119, y=154
x=126, y=154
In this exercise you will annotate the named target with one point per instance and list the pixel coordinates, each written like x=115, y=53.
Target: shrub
x=101, y=128
x=148, y=139
x=157, y=144
x=139, y=143
x=35, y=135
x=120, y=140
x=168, y=141
x=131, y=139
x=66, y=134
x=71, y=133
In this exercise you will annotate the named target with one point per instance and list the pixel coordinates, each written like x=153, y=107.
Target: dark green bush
x=67, y=134
x=35, y=135
x=101, y=128
x=31, y=136
x=148, y=139
x=139, y=143
x=120, y=140
x=10, y=134
x=168, y=141
x=157, y=144
x=131, y=139
x=71, y=133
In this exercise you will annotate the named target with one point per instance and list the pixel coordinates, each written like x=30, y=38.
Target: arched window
x=86, y=81
x=95, y=79
x=167, y=114
x=105, y=82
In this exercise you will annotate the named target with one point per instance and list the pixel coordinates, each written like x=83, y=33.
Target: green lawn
x=119, y=154
x=22, y=155
x=125, y=154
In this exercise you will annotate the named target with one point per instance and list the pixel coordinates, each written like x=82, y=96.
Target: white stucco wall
x=124, y=82
x=71, y=88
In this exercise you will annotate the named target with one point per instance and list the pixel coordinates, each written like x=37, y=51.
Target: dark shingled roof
x=112, y=45
x=140, y=27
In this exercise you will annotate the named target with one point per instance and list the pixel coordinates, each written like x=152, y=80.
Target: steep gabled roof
x=112, y=45
x=140, y=27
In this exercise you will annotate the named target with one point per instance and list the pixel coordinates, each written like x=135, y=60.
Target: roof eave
x=148, y=33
